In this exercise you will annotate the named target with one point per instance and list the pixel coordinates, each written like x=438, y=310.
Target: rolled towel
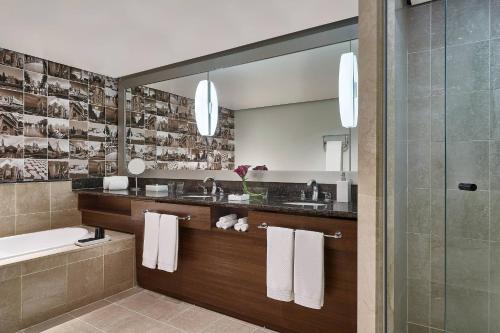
x=241, y=222
x=228, y=217
x=228, y=224
x=244, y=227
x=218, y=224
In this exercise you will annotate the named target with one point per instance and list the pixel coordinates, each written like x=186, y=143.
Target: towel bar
x=182, y=219
x=337, y=234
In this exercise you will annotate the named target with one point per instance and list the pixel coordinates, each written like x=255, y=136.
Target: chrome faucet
x=314, y=185
x=214, y=184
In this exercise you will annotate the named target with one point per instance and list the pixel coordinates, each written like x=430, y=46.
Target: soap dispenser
x=343, y=189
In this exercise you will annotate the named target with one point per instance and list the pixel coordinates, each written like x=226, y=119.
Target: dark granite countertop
x=272, y=204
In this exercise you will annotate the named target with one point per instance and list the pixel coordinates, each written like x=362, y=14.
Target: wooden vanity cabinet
x=225, y=270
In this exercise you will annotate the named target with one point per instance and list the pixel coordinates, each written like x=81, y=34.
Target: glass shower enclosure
x=442, y=199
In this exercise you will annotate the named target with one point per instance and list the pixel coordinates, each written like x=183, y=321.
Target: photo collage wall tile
x=57, y=122
x=161, y=129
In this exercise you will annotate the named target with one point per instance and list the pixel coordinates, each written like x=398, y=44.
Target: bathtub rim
x=115, y=237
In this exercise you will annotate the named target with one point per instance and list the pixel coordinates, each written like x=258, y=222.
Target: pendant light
x=206, y=108
x=348, y=90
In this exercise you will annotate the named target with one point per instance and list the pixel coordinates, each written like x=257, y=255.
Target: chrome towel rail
x=336, y=235
x=181, y=218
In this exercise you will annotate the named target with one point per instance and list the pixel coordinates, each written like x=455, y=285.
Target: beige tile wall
x=36, y=290
x=31, y=207
x=370, y=167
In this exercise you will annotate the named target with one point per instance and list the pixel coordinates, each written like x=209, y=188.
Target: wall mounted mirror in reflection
x=281, y=112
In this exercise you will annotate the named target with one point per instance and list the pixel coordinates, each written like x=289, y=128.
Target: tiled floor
x=143, y=311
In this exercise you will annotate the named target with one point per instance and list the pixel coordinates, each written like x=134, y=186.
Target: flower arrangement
x=242, y=171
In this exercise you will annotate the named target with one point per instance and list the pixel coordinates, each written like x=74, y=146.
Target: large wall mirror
x=280, y=111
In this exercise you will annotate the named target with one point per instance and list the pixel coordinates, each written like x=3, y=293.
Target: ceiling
x=306, y=76
x=121, y=37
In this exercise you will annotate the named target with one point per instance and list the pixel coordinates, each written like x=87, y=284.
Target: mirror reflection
x=281, y=112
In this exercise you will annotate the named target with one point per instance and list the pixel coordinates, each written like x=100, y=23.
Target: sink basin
x=197, y=196
x=310, y=204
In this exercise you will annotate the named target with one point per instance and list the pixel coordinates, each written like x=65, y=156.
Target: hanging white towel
x=150, y=245
x=308, y=276
x=168, y=243
x=279, y=273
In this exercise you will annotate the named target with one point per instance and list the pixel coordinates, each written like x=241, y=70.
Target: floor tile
x=154, y=305
x=195, y=319
x=229, y=325
x=118, y=319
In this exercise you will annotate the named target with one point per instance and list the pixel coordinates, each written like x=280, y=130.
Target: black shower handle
x=467, y=186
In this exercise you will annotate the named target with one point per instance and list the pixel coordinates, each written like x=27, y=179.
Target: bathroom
x=182, y=166
x=186, y=193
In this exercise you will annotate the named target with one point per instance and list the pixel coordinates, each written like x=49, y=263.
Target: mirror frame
x=324, y=35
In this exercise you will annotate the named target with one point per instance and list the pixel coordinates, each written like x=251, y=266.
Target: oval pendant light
x=348, y=90
x=206, y=108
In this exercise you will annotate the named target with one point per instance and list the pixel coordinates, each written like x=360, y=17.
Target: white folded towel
x=114, y=183
x=243, y=220
x=279, y=272
x=243, y=227
x=168, y=243
x=309, y=276
x=150, y=244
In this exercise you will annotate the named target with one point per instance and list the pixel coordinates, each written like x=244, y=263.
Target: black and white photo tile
x=78, y=169
x=35, y=105
x=11, y=101
x=58, y=107
x=97, y=114
x=35, y=83
x=34, y=64
x=35, y=148
x=54, y=118
x=11, y=78
x=11, y=169
x=58, y=87
x=11, y=123
x=167, y=121
x=78, y=110
x=11, y=146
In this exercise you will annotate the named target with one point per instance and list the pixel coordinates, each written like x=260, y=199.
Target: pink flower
x=261, y=168
x=242, y=170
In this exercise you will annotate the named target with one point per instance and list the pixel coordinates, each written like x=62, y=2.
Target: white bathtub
x=19, y=245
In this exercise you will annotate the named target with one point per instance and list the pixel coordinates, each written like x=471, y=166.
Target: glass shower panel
x=472, y=165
